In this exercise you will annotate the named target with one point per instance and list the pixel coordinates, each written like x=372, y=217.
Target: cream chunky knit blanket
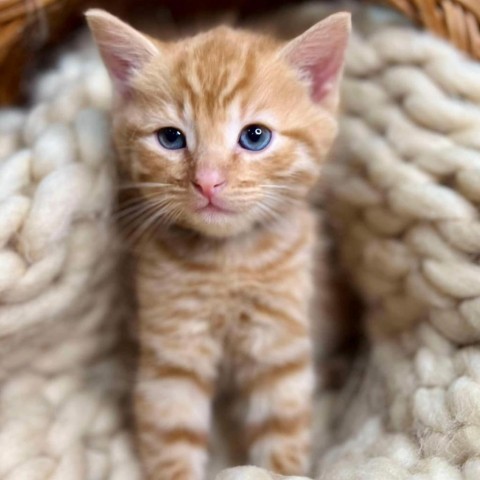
x=404, y=189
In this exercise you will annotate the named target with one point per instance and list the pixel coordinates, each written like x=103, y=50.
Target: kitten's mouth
x=213, y=208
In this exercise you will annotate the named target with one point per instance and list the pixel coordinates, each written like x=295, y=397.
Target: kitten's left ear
x=124, y=50
x=319, y=55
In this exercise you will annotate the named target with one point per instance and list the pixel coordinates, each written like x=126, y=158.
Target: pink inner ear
x=324, y=76
x=124, y=50
x=120, y=68
x=319, y=54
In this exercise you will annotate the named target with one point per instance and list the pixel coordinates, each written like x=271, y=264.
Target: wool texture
x=61, y=380
x=403, y=190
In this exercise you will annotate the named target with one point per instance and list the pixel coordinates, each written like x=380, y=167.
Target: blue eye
x=171, y=138
x=255, y=137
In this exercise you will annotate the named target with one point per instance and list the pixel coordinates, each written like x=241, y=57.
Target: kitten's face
x=221, y=131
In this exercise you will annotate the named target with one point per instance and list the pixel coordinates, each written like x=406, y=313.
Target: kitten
x=223, y=136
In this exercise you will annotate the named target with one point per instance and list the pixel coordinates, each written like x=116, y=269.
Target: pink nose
x=209, y=182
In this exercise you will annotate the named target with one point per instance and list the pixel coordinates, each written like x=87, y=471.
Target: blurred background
x=28, y=28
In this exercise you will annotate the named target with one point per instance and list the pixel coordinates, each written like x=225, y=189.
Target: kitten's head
x=227, y=129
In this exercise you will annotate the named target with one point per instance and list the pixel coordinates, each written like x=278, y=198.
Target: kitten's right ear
x=124, y=50
x=319, y=55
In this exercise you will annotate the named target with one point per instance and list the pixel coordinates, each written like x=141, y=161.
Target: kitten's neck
x=190, y=244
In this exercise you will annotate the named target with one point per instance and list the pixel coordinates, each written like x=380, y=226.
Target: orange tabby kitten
x=223, y=136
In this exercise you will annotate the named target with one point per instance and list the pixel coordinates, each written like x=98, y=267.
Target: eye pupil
x=171, y=134
x=255, y=137
x=171, y=138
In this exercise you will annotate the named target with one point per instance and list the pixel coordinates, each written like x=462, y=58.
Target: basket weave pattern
x=25, y=26
x=455, y=20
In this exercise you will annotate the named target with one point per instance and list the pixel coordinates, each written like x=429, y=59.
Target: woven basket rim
x=25, y=24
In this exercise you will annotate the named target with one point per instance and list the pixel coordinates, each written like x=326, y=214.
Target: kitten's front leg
x=276, y=382
x=172, y=401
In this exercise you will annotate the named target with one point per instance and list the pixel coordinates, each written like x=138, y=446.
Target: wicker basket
x=27, y=25
x=457, y=20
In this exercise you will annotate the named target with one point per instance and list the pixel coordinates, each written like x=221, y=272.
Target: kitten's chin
x=218, y=224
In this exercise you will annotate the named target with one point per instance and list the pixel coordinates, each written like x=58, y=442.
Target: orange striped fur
x=223, y=298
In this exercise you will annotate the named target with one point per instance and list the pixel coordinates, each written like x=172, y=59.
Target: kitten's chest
x=225, y=293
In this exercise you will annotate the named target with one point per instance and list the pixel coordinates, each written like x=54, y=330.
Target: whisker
x=266, y=211
x=142, y=205
x=140, y=232
x=150, y=225
x=135, y=203
x=132, y=221
x=144, y=198
x=143, y=222
x=131, y=210
x=276, y=186
x=162, y=218
x=132, y=185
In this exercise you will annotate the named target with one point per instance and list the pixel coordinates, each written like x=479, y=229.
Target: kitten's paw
x=292, y=461
x=252, y=473
x=287, y=457
x=175, y=470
